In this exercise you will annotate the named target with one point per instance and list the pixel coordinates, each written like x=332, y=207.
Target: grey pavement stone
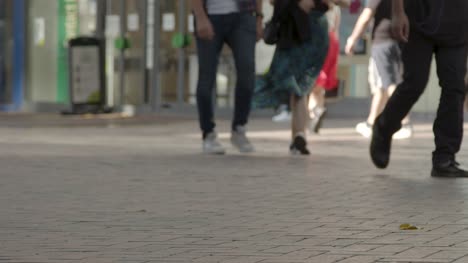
x=462, y=260
x=142, y=192
x=417, y=252
x=448, y=254
x=326, y=258
x=360, y=259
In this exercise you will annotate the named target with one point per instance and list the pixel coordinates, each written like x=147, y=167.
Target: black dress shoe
x=449, y=170
x=299, y=146
x=380, y=148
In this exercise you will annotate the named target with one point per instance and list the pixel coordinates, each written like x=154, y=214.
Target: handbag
x=271, y=33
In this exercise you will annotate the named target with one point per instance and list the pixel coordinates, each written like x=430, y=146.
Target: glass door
x=169, y=59
x=179, y=60
x=126, y=66
x=135, y=91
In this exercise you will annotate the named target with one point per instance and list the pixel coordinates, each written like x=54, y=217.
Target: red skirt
x=328, y=76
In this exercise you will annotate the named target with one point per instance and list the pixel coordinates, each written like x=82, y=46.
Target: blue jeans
x=238, y=31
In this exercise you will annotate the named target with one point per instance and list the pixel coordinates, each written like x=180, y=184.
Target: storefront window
x=49, y=28
x=5, y=54
x=88, y=17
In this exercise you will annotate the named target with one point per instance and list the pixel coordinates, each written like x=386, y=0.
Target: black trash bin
x=86, y=60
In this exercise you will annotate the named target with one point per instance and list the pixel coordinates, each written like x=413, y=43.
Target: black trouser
x=451, y=67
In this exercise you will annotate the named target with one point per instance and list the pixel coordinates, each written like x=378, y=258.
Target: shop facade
x=155, y=69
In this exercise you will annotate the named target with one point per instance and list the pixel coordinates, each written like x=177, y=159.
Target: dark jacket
x=446, y=21
x=294, y=22
x=244, y=5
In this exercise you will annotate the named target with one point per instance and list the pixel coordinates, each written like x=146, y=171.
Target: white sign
x=92, y=7
x=39, y=31
x=191, y=24
x=112, y=26
x=133, y=22
x=85, y=74
x=168, y=22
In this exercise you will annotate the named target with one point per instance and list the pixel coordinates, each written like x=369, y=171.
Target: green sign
x=68, y=28
x=180, y=40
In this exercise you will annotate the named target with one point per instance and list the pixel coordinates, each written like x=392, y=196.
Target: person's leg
x=416, y=56
x=316, y=108
x=448, y=126
x=294, y=115
x=379, y=99
x=466, y=90
x=242, y=40
x=391, y=90
x=406, y=130
x=388, y=60
x=300, y=116
x=317, y=99
x=466, y=103
x=208, y=56
x=327, y=80
x=379, y=93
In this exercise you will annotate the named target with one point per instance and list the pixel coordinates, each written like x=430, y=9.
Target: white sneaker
x=211, y=145
x=365, y=129
x=405, y=132
x=240, y=140
x=283, y=116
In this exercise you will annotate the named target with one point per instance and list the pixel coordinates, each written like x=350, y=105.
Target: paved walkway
x=143, y=193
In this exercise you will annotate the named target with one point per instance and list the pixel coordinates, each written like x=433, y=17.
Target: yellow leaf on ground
x=408, y=227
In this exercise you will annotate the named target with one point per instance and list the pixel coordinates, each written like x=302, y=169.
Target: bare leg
x=317, y=99
x=300, y=115
x=379, y=99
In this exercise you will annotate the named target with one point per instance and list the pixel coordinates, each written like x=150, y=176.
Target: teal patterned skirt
x=295, y=70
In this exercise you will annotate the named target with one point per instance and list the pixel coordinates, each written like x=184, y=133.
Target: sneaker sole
x=250, y=150
x=214, y=152
x=244, y=150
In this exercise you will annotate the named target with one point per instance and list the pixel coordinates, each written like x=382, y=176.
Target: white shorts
x=385, y=67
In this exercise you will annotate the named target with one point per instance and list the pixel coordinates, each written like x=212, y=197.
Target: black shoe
x=317, y=121
x=450, y=170
x=380, y=148
x=299, y=146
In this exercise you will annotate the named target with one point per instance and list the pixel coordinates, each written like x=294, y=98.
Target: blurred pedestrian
x=385, y=65
x=466, y=89
x=328, y=78
x=300, y=52
x=237, y=23
x=429, y=27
